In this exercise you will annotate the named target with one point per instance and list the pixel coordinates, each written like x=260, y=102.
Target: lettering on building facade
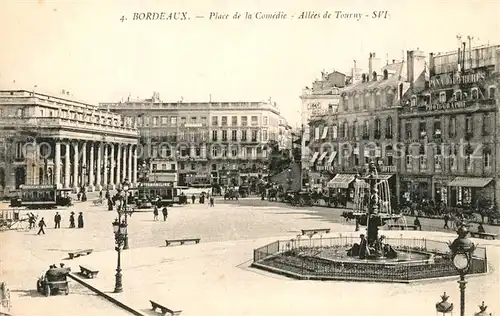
x=450, y=79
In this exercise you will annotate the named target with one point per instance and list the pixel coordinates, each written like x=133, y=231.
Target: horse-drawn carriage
x=53, y=281
x=231, y=194
x=244, y=190
x=330, y=197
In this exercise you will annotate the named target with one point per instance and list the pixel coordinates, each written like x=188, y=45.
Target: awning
x=315, y=155
x=323, y=155
x=325, y=133
x=332, y=156
x=469, y=182
x=341, y=181
x=382, y=176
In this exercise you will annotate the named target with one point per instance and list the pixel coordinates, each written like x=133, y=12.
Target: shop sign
x=450, y=79
x=415, y=179
x=445, y=106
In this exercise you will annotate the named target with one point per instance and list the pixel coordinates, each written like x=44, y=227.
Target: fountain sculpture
x=372, y=246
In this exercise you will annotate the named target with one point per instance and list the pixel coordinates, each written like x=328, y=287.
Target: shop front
x=467, y=190
x=416, y=188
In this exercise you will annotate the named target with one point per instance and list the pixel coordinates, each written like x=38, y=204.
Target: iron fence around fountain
x=280, y=256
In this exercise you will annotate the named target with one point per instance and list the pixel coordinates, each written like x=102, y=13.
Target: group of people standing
x=57, y=222
x=202, y=197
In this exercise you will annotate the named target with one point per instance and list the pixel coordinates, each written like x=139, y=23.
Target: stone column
x=75, y=165
x=134, y=168
x=84, y=163
x=105, y=159
x=112, y=166
x=124, y=164
x=98, y=163
x=57, y=164
x=129, y=165
x=118, y=165
x=91, y=167
x=67, y=165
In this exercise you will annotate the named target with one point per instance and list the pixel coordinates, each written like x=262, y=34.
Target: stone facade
x=48, y=139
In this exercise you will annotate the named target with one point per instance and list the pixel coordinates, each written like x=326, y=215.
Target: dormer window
x=474, y=94
x=374, y=75
x=413, y=100
x=363, y=77
x=442, y=97
x=491, y=92
x=386, y=74
x=458, y=95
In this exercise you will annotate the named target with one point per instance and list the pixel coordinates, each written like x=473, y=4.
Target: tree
x=279, y=160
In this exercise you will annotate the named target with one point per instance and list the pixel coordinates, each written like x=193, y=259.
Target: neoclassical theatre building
x=51, y=139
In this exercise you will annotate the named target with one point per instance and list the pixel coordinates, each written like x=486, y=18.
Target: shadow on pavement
x=30, y=293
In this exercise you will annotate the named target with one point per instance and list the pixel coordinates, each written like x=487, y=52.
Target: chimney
x=415, y=64
x=394, y=61
x=432, y=71
x=355, y=74
x=373, y=67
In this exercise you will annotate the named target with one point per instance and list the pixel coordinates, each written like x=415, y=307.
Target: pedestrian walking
x=57, y=220
x=446, y=219
x=100, y=194
x=80, y=220
x=72, y=220
x=211, y=201
x=165, y=213
x=32, y=220
x=155, y=213
x=416, y=222
x=41, y=225
x=193, y=199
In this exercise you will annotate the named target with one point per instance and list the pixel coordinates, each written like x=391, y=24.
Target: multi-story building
x=284, y=134
x=363, y=126
x=204, y=142
x=450, y=129
x=51, y=139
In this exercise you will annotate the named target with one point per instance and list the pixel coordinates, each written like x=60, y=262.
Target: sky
x=82, y=46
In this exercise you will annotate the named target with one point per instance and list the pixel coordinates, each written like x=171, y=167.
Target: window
x=164, y=120
x=422, y=158
x=422, y=129
x=244, y=135
x=193, y=166
x=408, y=132
x=214, y=136
x=487, y=157
x=316, y=133
x=453, y=127
x=183, y=121
x=224, y=136
x=486, y=124
x=468, y=123
x=173, y=120
x=389, y=98
x=408, y=158
x=215, y=153
x=234, y=135
x=468, y=158
x=386, y=74
x=345, y=102
x=365, y=129
x=215, y=121
x=458, y=95
x=356, y=102
x=442, y=97
x=224, y=151
x=474, y=94
x=265, y=120
x=355, y=129
x=437, y=128
x=254, y=136
x=377, y=100
x=438, y=159
x=491, y=92
x=172, y=166
x=453, y=157
x=224, y=121
x=198, y=151
x=334, y=131
x=366, y=101
x=264, y=135
x=388, y=128
x=234, y=151
x=377, y=128
x=193, y=119
x=244, y=120
x=345, y=131
x=254, y=120
x=234, y=120
x=203, y=121
x=155, y=120
x=413, y=101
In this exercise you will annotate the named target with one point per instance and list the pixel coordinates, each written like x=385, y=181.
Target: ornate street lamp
x=444, y=307
x=123, y=208
x=462, y=249
x=120, y=231
x=482, y=311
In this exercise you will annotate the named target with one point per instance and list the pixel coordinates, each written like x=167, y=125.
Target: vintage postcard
x=281, y=157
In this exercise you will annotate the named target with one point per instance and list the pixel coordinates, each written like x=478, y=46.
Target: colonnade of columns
x=94, y=165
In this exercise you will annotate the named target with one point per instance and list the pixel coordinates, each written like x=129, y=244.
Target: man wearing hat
x=72, y=220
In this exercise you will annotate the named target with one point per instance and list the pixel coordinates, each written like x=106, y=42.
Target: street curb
x=104, y=295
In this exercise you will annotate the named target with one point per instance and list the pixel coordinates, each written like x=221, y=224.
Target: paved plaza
x=213, y=277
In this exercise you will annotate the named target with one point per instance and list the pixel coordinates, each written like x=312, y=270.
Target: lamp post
x=444, y=307
x=462, y=249
x=121, y=236
x=123, y=209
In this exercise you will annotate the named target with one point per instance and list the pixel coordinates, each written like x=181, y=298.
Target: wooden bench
x=88, y=272
x=315, y=231
x=181, y=241
x=164, y=310
x=402, y=227
x=79, y=253
x=483, y=235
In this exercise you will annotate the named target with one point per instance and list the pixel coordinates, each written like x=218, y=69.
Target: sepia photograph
x=225, y=158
